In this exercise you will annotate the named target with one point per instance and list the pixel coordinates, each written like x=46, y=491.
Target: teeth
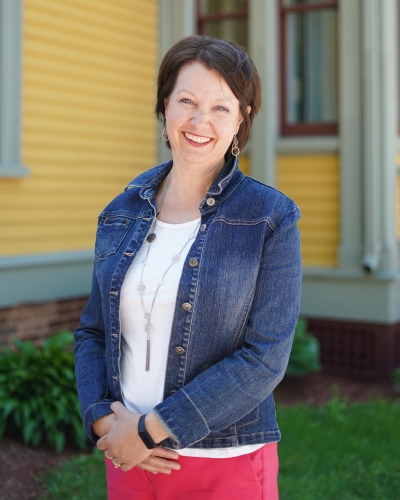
x=196, y=138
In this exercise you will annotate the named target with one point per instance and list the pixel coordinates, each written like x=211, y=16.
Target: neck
x=187, y=187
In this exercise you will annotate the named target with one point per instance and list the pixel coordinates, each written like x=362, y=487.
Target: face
x=202, y=116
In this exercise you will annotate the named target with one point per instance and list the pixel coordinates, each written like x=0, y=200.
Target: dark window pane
x=222, y=6
x=311, y=67
x=228, y=29
x=292, y=3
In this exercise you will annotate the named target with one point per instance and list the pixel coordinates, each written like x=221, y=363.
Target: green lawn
x=334, y=452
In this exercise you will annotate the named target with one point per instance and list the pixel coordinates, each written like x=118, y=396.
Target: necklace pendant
x=146, y=316
x=148, y=355
x=151, y=237
x=148, y=328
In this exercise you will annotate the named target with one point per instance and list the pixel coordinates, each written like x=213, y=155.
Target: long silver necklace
x=148, y=327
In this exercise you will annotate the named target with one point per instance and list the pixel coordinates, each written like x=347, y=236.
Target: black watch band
x=144, y=435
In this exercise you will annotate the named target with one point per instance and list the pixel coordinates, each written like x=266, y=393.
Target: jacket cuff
x=93, y=413
x=181, y=418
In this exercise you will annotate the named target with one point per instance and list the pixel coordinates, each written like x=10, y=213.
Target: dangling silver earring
x=164, y=135
x=235, y=146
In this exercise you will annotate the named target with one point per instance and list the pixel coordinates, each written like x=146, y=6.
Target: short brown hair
x=227, y=58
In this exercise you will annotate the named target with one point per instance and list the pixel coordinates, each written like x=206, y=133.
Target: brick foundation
x=36, y=321
x=362, y=350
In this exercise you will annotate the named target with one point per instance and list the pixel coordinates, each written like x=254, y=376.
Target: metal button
x=179, y=350
x=193, y=262
x=186, y=306
x=173, y=391
x=210, y=202
x=203, y=228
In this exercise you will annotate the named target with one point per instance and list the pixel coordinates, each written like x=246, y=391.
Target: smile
x=197, y=138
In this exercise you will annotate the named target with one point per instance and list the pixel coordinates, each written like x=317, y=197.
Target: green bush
x=304, y=356
x=38, y=392
x=396, y=376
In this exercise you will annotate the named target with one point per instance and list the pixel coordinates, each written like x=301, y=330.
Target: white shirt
x=142, y=390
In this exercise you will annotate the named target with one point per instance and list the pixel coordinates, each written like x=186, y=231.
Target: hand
x=103, y=425
x=160, y=460
x=123, y=442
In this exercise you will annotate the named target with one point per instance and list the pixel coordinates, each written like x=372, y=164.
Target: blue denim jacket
x=243, y=285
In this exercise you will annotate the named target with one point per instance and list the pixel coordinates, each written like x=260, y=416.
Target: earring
x=164, y=135
x=235, y=146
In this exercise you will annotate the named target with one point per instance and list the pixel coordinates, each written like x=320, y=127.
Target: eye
x=221, y=108
x=185, y=100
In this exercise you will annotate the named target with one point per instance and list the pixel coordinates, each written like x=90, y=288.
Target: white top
x=143, y=390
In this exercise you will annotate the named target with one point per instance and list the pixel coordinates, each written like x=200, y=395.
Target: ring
x=116, y=464
x=111, y=458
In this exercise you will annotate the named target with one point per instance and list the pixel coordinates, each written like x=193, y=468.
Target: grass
x=80, y=478
x=334, y=452
x=340, y=452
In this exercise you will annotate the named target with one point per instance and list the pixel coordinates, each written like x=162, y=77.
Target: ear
x=248, y=109
x=166, y=101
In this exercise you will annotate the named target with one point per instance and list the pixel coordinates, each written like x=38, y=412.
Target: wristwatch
x=144, y=435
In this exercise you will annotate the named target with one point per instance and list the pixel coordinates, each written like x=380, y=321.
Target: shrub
x=304, y=356
x=396, y=376
x=38, y=392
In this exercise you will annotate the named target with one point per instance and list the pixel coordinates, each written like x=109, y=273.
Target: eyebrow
x=189, y=92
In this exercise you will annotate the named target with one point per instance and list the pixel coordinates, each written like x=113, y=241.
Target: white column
x=263, y=48
x=176, y=20
x=379, y=104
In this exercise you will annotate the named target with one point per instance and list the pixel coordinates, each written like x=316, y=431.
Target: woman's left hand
x=160, y=460
x=123, y=442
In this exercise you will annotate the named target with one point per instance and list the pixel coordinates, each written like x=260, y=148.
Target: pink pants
x=248, y=477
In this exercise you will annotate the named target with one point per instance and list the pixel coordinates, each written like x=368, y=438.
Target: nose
x=200, y=118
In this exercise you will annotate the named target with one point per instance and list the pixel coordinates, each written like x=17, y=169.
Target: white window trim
x=10, y=89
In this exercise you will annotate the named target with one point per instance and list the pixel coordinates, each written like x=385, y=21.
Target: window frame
x=202, y=19
x=298, y=129
x=11, y=89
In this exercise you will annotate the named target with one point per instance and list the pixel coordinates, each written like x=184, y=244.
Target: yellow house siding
x=89, y=71
x=313, y=183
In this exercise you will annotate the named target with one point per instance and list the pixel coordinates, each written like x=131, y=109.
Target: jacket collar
x=226, y=181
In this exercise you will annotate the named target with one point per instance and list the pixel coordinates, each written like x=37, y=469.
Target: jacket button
x=179, y=350
x=172, y=392
x=210, y=202
x=186, y=306
x=203, y=228
x=192, y=262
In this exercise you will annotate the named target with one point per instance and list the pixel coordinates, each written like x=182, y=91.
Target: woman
x=194, y=302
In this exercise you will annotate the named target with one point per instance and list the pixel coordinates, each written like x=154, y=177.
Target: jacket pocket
x=111, y=231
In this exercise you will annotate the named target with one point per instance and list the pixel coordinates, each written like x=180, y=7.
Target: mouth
x=197, y=139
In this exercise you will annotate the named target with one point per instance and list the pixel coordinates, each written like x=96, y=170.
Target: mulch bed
x=23, y=466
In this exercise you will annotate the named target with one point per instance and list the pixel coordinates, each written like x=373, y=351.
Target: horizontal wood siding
x=89, y=71
x=313, y=183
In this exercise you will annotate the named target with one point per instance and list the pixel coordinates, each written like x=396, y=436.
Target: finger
x=102, y=444
x=161, y=464
x=118, y=408
x=164, y=453
x=154, y=470
x=126, y=467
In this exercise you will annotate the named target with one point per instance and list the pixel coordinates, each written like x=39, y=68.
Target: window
x=309, y=67
x=225, y=19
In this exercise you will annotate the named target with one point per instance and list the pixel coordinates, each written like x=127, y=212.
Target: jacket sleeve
x=90, y=359
x=230, y=389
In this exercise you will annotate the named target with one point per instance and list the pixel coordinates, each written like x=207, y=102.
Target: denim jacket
x=235, y=314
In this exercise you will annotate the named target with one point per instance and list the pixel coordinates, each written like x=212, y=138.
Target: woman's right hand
x=103, y=425
x=160, y=460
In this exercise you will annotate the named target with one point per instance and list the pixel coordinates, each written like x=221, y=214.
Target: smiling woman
x=190, y=322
